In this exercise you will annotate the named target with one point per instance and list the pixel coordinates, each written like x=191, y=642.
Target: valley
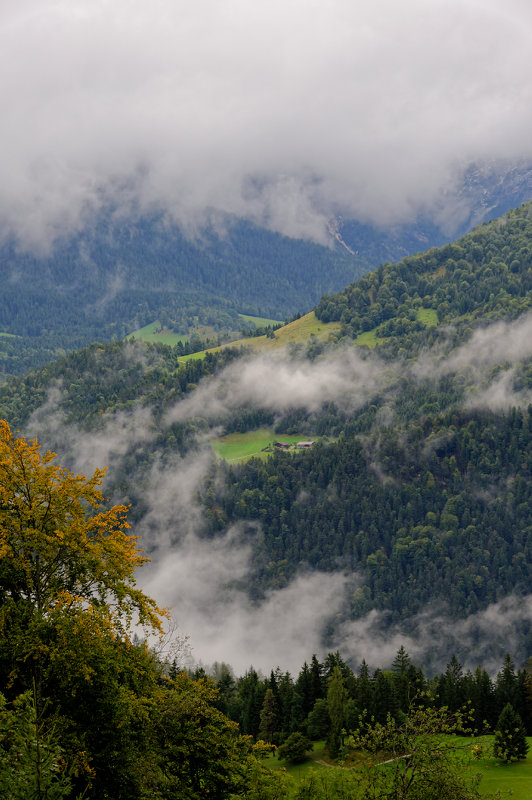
x=265, y=400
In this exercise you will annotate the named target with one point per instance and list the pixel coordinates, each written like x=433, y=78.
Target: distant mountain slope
x=485, y=193
x=119, y=274
x=422, y=503
x=485, y=275
x=117, y=277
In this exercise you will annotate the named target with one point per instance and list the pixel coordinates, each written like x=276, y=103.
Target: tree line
x=328, y=697
x=87, y=709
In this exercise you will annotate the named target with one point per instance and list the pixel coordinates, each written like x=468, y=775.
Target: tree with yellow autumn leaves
x=59, y=548
x=85, y=709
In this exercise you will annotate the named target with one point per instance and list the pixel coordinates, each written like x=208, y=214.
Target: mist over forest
x=265, y=399
x=126, y=406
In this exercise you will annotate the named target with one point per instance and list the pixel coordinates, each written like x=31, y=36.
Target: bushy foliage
x=295, y=748
x=84, y=708
x=510, y=736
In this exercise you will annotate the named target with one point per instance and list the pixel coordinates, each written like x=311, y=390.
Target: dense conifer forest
x=420, y=497
x=119, y=276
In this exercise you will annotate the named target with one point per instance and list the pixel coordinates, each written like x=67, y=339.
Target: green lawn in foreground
x=496, y=776
x=298, y=771
x=511, y=780
x=241, y=446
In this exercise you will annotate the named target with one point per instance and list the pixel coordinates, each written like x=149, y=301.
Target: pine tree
x=269, y=717
x=510, y=737
x=337, y=698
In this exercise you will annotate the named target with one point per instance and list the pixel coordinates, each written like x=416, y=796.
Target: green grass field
x=297, y=332
x=153, y=333
x=9, y=335
x=511, y=780
x=299, y=771
x=505, y=778
x=428, y=315
x=260, y=322
x=242, y=446
x=368, y=339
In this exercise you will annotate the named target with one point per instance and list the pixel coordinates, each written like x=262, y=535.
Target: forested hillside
x=118, y=276
x=437, y=511
x=421, y=498
x=486, y=275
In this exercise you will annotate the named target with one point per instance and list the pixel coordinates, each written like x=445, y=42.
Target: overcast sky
x=286, y=112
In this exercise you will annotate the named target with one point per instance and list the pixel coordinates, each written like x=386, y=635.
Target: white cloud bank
x=284, y=112
x=432, y=637
x=200, y=580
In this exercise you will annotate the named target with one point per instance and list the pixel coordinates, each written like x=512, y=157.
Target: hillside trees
x=65, y=561
x=486, y=274
x=91, y=707
x=402, y=504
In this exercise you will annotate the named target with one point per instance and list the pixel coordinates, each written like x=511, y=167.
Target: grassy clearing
x=260, y=322
x=153, y=333
x=236, y=447
x=300, y=330
x=368, y=339
x=514, y=780
x=9, y=335
x=429, y=316
x=299, y=771
x=297, y=332
x=498, y=777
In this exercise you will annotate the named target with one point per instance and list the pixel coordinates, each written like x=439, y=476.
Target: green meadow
x=297, y=332
x=242, y=446
x=368, y=339
x=514, y=779
x=154, y=333
x=260, y=322
x=510, y=780
x=429, y=316
x=316, y=760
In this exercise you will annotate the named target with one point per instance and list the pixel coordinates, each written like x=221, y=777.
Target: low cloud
x=497, y=343
x=284, y=629
x=280, y=113
x=202, y=577
x=279, y=383
x=432, y=637
x=84, y=452
x=500, y=394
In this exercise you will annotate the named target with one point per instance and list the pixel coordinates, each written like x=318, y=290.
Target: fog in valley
x=201, y=580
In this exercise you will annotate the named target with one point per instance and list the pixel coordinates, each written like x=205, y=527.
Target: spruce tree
x=510, y=737
x=337, y=698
